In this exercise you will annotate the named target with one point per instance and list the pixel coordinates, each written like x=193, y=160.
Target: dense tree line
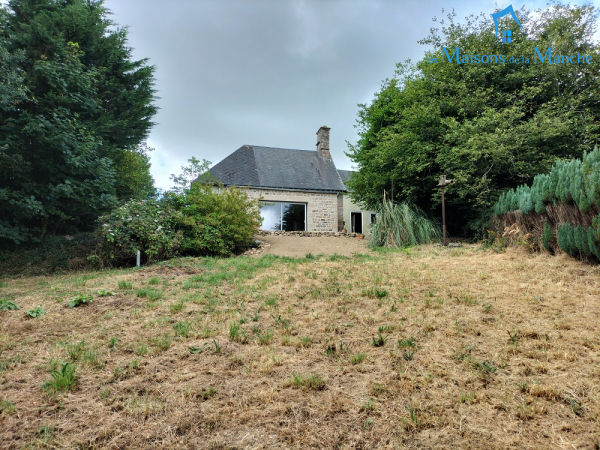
x=75, y=109
x=488, y=126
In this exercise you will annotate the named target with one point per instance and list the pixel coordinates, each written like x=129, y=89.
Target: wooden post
x=442, y=185
x=444, y=218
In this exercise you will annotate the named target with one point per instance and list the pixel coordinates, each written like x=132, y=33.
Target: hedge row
x=577, y=241
x=576, y=181
x=566, y=202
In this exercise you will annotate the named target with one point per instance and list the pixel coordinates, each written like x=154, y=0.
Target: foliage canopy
x=74, y=112
x=487, y=126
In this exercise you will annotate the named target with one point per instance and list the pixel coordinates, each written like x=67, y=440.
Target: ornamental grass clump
x=402, y=224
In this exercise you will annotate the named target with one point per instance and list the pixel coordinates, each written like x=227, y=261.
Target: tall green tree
x=488, y=126
x=80, y=113
x=133, y=173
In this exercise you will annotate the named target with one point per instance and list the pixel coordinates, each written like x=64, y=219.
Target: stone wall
x=307, y=234
x=321, y=208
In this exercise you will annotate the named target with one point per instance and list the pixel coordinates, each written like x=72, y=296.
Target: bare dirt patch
x=299, y=246
x=423, y=348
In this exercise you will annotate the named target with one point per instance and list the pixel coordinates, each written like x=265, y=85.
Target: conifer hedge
x=566, y=201
x=575, y=180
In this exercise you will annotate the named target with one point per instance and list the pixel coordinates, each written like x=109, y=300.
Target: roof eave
x=279, y=188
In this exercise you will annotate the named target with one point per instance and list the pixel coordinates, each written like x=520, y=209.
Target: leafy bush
x=216, y=222
x=149, y=226
x=402, y=224
x=196, y=218
x=7, y=305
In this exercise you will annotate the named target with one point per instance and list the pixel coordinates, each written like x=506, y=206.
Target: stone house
x=301, y=190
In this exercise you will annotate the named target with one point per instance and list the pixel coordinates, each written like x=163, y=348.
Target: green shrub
x=402, y=224
x=574, y=182
x=581, y=240
x=197, y=220
x=149, y=226
x=572, y=245
x=596, y=227
x=218, y=223
x=578, y=241
x=562, y=237
x=592, y=243
x=548, y=237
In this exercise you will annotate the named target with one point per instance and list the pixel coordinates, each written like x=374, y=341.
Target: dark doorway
x=356, y=221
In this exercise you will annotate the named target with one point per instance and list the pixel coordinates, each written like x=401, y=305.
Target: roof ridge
x=280, y=148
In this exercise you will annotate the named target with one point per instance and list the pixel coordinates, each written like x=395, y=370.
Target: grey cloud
x=270, y=72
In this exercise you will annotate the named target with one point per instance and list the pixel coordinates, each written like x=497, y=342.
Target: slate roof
x=281, y=168
x=345, y=174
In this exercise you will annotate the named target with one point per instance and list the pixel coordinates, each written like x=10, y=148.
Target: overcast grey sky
x=271, y=72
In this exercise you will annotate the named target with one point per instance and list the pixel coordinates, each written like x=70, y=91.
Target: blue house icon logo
x=506, y=34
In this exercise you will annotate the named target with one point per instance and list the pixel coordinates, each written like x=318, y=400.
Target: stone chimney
x=323, y=142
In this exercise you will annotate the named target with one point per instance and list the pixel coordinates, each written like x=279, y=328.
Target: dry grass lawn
x=422, y=348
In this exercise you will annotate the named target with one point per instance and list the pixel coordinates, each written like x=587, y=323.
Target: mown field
x=422, y=348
